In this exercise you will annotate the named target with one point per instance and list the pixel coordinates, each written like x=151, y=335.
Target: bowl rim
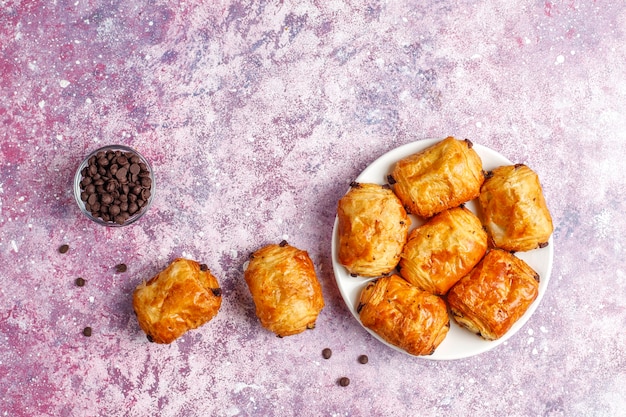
x=78, y=178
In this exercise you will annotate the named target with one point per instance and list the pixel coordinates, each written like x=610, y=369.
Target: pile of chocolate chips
x=115, y=185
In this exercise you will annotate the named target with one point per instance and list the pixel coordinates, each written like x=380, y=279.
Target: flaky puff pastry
x=403, y=315
x=514, y=209
x=285, y=290
x=373, y=227
x=440, y=177
x=443, y=250
x=494, y=295
x=183, y=296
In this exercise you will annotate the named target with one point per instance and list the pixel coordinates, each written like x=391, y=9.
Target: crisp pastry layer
x=443, y=250
x=285, y=290
x=183, y=296
x=514, y=209
x=403, y=315
x=440, y=177
x=495, y=294
x=373, y=227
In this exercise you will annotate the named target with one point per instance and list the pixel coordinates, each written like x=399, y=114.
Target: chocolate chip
x=283, y=243
x=64, y=248
x=87, y=331
x=344, y=381
x=327, y=353
x=121, y=268
x=80, y=282
x=363, y=359
x=391, y=180
x=150, y=338
x=543, y=245
x=204, y=267
x=216, y=292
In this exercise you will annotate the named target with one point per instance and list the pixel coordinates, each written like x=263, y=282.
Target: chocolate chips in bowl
x=114, y=185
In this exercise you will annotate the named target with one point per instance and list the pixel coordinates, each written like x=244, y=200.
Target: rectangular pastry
x=495, y=294
x=443, y=250
x=514, y=209
x=403, y=315
x=440, y=177
x=372, y=227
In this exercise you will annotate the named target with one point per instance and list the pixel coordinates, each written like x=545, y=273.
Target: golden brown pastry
x=183, y=296
x=443, y=250
x=285, y=289
x=440, y=177
x=372, y=227
x=494, y=295
x=514, y=209
x=403, y=315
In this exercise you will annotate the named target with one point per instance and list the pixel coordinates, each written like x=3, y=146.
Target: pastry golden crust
x=443, y=250
x=403, y=315
x=494, y=295
x=514, y=209
x=440, y=177
x=373, y=228
x=285, y=289
x=183, y=296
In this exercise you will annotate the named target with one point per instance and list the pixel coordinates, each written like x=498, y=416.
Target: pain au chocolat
x=183, y=296
x=443, y=250
x=514, y=209
x=373, y=227
x=403, y=315
x=440, y=177
x=284, y=287
x=494, y=295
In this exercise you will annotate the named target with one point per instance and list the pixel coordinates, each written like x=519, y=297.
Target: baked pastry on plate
x=443, y=250
x=284, y=287
x=514, y=209
x=403, y=315
x=440, y=177
x=183, y=296
x=373, y=227
x=494, y=295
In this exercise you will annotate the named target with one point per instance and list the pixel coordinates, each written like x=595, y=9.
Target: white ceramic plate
x=459, y=343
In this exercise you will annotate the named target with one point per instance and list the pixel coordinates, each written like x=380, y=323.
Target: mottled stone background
x=256, y=117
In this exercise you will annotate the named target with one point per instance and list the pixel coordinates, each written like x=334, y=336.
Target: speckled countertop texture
x=256, y=116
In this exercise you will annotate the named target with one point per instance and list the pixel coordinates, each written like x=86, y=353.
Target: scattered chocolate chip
x=121, y=268
x=543, y=245
x=150, y=338
x=355, y=184
x=391, y=180
x=344, y=381
x=469, y=143
x=327, y=353
x=64, y=248
x=204, y=267
x=79, y=282
x=363, y=359
x=283, y=243
x=518, y=165
x=360, y=307
x=87, y=331
x=216, y=292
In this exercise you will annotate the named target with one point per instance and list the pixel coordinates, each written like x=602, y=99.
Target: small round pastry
x=284, y=287
x=443, y=250
x=403, y=315
x=444, y=175
x=373, y=227
x=183, y=296
x=514, y=209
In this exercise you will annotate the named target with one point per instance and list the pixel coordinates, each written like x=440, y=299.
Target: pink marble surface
x=256, y=117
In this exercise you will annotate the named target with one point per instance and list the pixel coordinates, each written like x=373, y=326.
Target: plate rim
x=413, y=147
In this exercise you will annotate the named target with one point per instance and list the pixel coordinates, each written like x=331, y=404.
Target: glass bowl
x=114, y=175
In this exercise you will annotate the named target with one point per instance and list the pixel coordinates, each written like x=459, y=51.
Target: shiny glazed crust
x=514, y=209
x=494, y=295
x=443, y=250
x=284, y=288
x=440, y=177
x=373, y=228
x=403, y=315
x=183, y=296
